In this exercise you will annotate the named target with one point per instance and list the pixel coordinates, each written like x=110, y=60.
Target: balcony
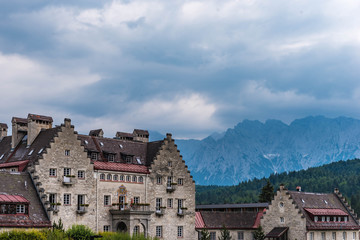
x=171, y=187
x=181, y=212
x=82, y=208
x=160, y=211
x=134, y=209
x=67, y=180
x=54, y=207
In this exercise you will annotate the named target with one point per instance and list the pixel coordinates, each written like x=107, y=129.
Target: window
x=106, y=228
x=159, y=180
x=158, y=203
x=315, y=219
x=334, y=236
x=81, y=202
x=52, y=172
x=169, y=164
x=67, y=199
x=67, y=152
x=20, y=208
x=136, y=230
x=311, y=236
x=170, y=203
x=159, y=231
x=111, y=157
x=13, y=170
x=323, y=218
x=121, y=177
x=180, y=231
x=282, y=220
x=115, y=177
x=328, y=219
x=67, y=171
x=136, y=200
x=109, y=177
x=354, y=235
x=141, y=179
x=102, y=176
x=345, y=219
x=94, y=156
x=134, y=179
x=240, y=235
x=212, y=235
x=344, y=235
x=281, y=204
x=52, y=198
x=81, y=174
x=323, y=236
x=128, y=159
x=180, y=181
x=107, y=200
x=128, y=178
x=169, y=180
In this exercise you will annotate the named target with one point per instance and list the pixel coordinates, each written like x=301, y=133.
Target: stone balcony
x=130, y=209
x=82, y=209
x=67, y=180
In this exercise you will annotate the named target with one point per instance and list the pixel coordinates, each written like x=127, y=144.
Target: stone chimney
x=282, y=187
x=3, y=130
x=298, y=188
x=336, y=191
x=35, y=124
x=19, y=130
x=141, y=135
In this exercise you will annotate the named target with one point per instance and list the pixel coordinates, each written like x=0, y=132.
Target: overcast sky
x=186, y=67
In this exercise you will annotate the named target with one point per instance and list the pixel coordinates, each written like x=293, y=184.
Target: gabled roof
x=19, y=188
x=231, y=220
x=323, y=203
x=199, y=222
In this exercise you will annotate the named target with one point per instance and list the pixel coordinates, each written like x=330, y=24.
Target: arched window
x=136, y=230
x=128, y=178
x=134, y=179
x=115, y=177
x=141, y=179
x=108, y=177
x=102, y=176
x=121, y=177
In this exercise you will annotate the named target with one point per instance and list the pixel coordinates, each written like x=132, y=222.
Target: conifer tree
x=225, y=234
x=259, y=234
x=204, y=234
x=267, y=193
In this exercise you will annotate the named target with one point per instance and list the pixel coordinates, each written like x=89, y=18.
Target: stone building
x=125, y=183
x=309, y=216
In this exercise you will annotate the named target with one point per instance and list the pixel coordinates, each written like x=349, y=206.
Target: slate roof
x=327, y=203
x=141, y=132
x=21, y=186
x=231, y=220
x=95, y=132
x=19, y=120
x=277, y=232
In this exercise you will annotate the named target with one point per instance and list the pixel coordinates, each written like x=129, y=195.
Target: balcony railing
x=141, y=207
x=171, y=187
x=82, y=209
x=54, y=207
x=160, y=211
x=67, y=180
x=181, y=211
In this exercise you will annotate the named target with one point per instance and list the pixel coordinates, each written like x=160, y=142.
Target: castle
x=125, y=183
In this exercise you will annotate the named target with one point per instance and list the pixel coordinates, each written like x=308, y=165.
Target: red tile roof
x=199, y=222
x=258, y=218
x=121, y=167
x=20, y=164
x=12, y=199
x=326, y=212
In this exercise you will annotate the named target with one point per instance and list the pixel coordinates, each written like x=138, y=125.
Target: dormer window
x=111, y=157
x=94, y=156
x=20, y=208
x=315, y=218
x=128, y=159
x=323, y=218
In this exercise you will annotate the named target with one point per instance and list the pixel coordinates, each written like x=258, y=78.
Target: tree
x=259, y=234
x=225, y=234
x=204, y=234
x=267, y=193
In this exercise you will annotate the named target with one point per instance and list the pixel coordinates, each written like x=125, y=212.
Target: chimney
x=35, y=124
x=298, y=188
x=3, y=130
x=141, y=135
x=336, y=191
x=19, y=130
x=282, y=187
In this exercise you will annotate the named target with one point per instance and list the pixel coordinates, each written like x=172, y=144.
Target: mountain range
x=253, y=149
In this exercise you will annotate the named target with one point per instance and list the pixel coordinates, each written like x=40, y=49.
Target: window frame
x=67, y=199
x=67, y=171
x=107, y=200
x=81, y=172
x=180, y=231
x=52, y=172
x=159, y=231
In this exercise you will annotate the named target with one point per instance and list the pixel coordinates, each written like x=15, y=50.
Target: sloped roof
x=96, y=132
x=199, y=222
x=5, y=198
x=3, y=125
x=227, y=206
x=20, y=185
x=120, y=167
x=231, y=220
x=326, y=212
x=141, y=132
x=20, y=164
x=277, y=232
x=322, y=202
x=19, y=120
x=40, y=117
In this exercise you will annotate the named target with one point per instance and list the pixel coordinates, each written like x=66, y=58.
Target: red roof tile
x=326, y=212
x=20, y=164
x=121, y=167
x=199, y=222
x=258, y=218
x=12, y=198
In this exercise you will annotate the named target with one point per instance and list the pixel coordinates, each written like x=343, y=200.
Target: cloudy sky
x=186, y=67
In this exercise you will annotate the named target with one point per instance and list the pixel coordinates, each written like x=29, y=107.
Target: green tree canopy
x=267, y=193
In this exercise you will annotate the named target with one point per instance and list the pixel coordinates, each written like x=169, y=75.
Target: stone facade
x=104, y=183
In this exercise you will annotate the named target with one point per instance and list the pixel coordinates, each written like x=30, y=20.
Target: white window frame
x=240, y=235
x=67, y=152
x=136, y=230
x=212, y=235
x=67, y=199
x=136, y=200
x=128, y=178
x=106, y=228
x=180, y=181
x=159, y=231
x=107, y=200
x=81, y=174
x=180, y=231
x=52, y=172
x=102, y=176
x=20, y=208
x=67, y=171
x=170, y=203
x=141, y=179
x=158, y=203
x=108, y=177
x=159, y=180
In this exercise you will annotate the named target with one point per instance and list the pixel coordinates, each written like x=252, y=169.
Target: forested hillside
x=344, y=175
